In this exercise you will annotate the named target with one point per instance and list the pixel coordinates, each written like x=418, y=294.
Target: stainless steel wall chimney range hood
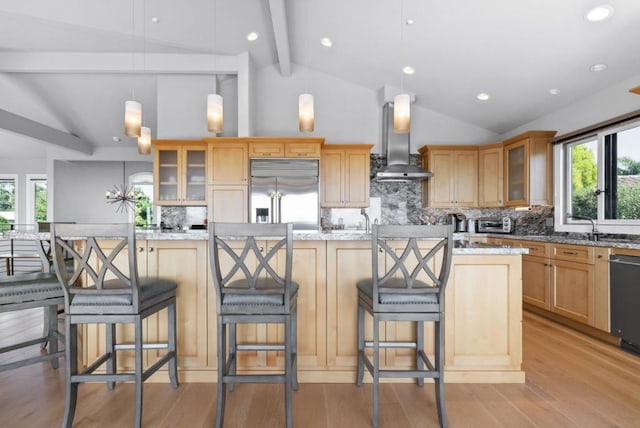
x=396, y=147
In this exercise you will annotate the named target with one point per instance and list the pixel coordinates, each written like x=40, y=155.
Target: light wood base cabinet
x=482, y=324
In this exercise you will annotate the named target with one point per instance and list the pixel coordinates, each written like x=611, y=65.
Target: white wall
x=346, y=113
x=601, y=106
x=80, y=188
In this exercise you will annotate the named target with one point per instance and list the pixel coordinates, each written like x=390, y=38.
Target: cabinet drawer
x=302, y=150
x=539, y=249
x=266, y=150
x=573, y=253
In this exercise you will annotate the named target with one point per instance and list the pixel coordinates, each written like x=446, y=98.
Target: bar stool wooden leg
x=360, y=375
x=222, y=362
x=71, y=397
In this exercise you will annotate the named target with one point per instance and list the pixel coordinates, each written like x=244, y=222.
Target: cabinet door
x=332, y=179
x=466, y=178
x=194, y=176
x=228, y=163
x=536, y=273
x=516, y=158
x=266, y=150
x=441, y=184
x=167, y=169
x=93, y=335
x=601, y=289
x=356, y=178
x=573, y=293
x=309, y=271
x=302, y=150
x=228, y=204
x=490, y=177
x=185, y=262
x=347, y=262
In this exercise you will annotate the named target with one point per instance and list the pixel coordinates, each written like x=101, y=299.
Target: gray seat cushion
x=149, y=288
x=267, y=292
x=29, y=287
x=405, y=297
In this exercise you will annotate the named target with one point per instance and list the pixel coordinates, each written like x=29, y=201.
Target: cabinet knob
x=140, y=249
x=151, y=249
x=261, y=249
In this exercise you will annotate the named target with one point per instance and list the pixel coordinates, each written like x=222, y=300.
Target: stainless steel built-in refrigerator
x=285, y=191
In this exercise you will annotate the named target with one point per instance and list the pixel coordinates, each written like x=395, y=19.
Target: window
x=600, y=180
x=8, y=206
x=36, y=198
x=144, y=213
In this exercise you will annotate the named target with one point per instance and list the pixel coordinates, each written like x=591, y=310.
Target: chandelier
x=122, y=194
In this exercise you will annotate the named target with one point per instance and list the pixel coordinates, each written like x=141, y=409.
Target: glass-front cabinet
x=528, y=169
x=180, y=174
x=517, y=173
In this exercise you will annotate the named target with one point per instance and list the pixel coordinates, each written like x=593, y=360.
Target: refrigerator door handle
x=280, y=207
x=273, y=213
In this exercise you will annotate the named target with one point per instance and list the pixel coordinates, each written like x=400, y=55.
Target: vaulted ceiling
x=516, y=51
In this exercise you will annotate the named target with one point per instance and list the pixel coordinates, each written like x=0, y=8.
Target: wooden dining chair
x=410, y=287
x=253, y=293
x=34, y=290
x=98, y=291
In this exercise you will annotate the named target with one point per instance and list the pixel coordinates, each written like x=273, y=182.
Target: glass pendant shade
x=215, y=113
x=132, y=118
x=305, y=113
x=144, y=141
x=401, y=114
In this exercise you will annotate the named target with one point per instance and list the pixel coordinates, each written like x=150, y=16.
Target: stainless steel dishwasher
x=624, y=280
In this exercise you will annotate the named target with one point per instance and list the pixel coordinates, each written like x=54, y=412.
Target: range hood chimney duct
x=396, y=147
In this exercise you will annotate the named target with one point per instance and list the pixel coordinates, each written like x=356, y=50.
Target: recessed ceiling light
x=408, y=69
x=483, y=96
x=599, y=13
x=252, y=36
x=116, y=139
x=409, y=21
x=598, y=67
x=554, y=91
x=326, y=42
x=155, y=20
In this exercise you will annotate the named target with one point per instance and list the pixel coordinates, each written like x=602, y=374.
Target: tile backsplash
x=179, y=217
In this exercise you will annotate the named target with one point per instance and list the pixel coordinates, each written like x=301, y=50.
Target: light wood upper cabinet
x=180, y=173
x=344, y=176
x=270, y=147
x=228, y=163
x=228, y=203
x=490, y=176
x=528, y=169
x=455, y=176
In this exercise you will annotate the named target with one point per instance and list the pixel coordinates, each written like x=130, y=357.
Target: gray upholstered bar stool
x=409, y=286
x=104, y=288
x=250, y=290
x=34, y=290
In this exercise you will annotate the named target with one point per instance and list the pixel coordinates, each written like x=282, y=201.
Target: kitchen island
x=482, y=320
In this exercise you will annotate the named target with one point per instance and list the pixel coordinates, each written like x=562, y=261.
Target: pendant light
x=305, y=113
x=401, y=113
x=402, y=101
x=215, y=113
x=215, y=104
x=132, y=108
x=144, y=141
x=306, y=116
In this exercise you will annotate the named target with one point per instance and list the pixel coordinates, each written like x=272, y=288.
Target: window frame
x=562, y=184
x=31, y=196
x=16, y=183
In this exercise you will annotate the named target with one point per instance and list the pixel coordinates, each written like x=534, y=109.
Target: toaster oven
x=495, y=225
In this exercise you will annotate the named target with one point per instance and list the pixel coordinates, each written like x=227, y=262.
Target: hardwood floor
x=572, y=381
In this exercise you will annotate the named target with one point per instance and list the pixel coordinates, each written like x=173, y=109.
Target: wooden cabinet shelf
x=176, y=163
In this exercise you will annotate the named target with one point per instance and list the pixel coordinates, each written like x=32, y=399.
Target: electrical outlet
x=549, y=222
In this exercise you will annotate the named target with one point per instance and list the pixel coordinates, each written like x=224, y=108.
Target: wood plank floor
x=572, y=381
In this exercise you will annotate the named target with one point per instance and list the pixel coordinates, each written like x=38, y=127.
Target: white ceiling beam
x=281, y=34
x=30, y=128
x=109, y=62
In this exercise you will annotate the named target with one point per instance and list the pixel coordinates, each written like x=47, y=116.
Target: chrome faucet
x=367, y=225
x=594, y=231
